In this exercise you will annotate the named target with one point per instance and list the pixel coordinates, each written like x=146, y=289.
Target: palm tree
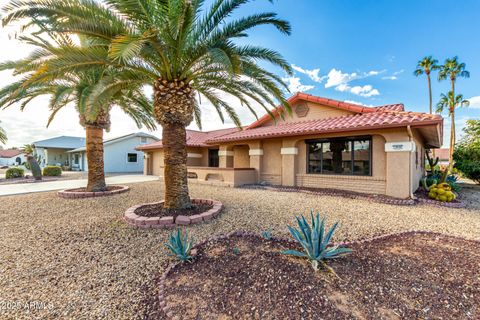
x=182, y=48
x=28, y=148
x=450, y=102
x=89, y=90
x=426, y=66
x=452, y=70
x=3, y=136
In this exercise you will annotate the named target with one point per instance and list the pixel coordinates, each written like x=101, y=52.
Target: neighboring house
x=120, y=154
x=324, y=144
x=54, y=151
x=443, y=155
x=11, y=157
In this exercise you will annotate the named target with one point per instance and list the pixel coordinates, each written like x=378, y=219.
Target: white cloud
x=312, y=74
x=337, y=77
x=474, y=102
x=389, y=78
x=359, y=103
x=294, y=85
x=396, y=73
x=365, y=91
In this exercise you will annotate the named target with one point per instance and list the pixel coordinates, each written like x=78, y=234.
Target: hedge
x=14, y=173
x=51, y=171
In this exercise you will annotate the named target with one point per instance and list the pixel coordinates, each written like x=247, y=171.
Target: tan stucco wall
x=241, y=159
x=316, y=111
x=271, y=162
x=54, y=156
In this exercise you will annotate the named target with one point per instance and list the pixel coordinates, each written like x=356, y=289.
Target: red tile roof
x=354, y=122
x=10, y=153
x=194, y=138
x=362, y=118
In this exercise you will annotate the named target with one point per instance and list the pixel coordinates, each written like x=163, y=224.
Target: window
x=213, y=160
x=347, y=156
x=131, y=157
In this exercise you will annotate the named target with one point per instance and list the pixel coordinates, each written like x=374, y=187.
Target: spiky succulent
x=180, y=245
x=315, y=242
x=267, y=234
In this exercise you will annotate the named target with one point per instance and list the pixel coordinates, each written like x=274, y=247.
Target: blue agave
x=179, y=245
x=267, y=234
x=315, y=242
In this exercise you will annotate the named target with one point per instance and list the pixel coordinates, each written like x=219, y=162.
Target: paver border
x=133, y=219
x=72, y=194
x=161, y=286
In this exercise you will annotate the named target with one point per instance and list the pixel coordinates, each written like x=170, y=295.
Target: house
x=443, y=155
x=54, y=151
x=324, y=144
x=120, y=154
x=11, y=157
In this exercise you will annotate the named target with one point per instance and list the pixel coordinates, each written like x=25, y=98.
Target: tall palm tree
x=452, y=69
x=426, y=66
x=182, y=48
x=89, y=90
x=450, y=102
x=3, y=136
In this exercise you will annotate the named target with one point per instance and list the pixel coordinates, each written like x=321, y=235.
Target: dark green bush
x=14, y=173
x=467, y=161
x=52, y=171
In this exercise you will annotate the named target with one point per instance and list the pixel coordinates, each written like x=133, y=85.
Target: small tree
x=467, y=153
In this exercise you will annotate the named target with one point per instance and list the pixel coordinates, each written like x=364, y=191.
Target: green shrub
x=14, y=173
x=315, y=242
x=467, y=161
x=52, y=171
x=179, y=245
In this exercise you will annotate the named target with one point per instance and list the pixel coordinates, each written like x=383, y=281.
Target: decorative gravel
x=77, y=259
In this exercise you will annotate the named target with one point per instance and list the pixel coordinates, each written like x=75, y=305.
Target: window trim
x=135, y=153
x=350, y=138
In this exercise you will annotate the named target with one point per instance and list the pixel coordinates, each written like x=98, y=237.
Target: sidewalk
x=21, y=188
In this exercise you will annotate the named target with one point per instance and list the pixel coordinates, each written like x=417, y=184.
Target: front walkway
x=20, y=188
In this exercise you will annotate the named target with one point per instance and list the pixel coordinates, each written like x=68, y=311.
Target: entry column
x=225, y=155
x=289, y=153
x=256, y=154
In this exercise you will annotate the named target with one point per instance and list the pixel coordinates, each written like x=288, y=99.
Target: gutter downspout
x=410, y=137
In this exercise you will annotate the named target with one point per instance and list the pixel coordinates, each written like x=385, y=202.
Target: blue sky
x=358, y=51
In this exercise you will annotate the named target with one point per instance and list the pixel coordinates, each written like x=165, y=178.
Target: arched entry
x=18, y=161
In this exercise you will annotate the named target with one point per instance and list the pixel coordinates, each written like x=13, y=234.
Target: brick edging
x=161, y=288
x=362, y=196
x=169, y=222
x=70, y=194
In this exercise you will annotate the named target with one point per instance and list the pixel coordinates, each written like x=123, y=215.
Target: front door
x=213, y=158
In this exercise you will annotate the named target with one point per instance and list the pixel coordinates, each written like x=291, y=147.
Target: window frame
x=351, y=139
x=136, y=157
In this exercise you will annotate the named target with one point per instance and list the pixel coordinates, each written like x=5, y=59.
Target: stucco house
x=324, y=144
x=11, y=157
x=54, y=151
x=120, y=154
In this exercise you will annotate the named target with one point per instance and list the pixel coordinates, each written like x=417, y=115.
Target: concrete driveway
x=21, y=188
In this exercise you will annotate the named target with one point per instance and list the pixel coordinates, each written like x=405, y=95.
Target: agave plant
x=315, y=242
x=267, y=234
x=180, y=245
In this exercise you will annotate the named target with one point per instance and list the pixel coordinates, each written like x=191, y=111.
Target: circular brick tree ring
x=170, y=221
x=77, y=193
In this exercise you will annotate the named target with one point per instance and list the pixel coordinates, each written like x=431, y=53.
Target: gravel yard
x=79, y=258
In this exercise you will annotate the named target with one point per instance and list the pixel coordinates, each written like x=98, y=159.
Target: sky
x=362, y=52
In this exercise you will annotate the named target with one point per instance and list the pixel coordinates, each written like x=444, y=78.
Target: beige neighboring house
x=324, y=144
x=54, y=151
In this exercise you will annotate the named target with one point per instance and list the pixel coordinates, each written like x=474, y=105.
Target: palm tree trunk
x=452, y=129
x=452, y=141
x=96, y=174
x=430, y=91
x=175, y=161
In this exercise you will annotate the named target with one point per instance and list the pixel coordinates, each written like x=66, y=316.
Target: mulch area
x=405, y=276
x=157, y=210
x=83, y=189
